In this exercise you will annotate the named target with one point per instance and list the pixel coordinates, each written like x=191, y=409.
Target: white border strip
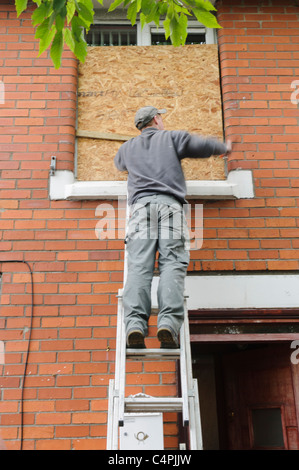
x=239, y=291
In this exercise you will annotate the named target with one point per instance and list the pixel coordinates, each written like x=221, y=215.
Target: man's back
x=153, y=165
x=153, y=161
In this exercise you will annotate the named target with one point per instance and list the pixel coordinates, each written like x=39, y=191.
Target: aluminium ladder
x=118, y=404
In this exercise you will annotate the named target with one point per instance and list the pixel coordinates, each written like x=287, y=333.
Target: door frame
x=202, y=320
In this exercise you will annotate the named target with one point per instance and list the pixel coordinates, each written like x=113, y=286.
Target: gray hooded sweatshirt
x=153, y=161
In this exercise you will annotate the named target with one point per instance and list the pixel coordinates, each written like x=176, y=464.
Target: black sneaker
x=167, y=338
x=135, y=339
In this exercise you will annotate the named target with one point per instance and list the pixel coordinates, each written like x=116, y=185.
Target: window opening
x=117, y=34
x=112, y=35
x=158, y=38
x=267, y=428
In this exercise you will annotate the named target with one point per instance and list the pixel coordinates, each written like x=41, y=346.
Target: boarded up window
x=115, y=81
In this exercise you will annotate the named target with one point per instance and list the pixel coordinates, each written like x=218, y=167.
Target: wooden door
x=260, y=405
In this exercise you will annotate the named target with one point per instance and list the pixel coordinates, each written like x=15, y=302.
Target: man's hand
x=229, y=147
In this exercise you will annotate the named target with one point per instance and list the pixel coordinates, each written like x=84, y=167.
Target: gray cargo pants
x=157, y=224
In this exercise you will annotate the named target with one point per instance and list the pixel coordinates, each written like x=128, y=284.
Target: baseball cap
x=145, y=115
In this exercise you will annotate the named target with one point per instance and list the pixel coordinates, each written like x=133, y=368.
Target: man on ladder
x=156, y=196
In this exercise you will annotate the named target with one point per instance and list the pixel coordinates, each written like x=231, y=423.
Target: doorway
x=247, y=395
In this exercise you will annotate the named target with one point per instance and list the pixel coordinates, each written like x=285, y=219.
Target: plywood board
x=115, y=81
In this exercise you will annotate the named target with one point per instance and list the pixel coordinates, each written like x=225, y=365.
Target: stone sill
x=63, y=186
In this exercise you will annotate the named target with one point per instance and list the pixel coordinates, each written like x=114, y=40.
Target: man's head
x=146, y=115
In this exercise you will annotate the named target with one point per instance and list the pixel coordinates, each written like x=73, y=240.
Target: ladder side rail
x=120, y=367
x=115, y=437
x=192, y=426
x=110, y=415
x=125, y=248
x=195, y=430
x=197, y=416
x=112, y=422
x=118, y=354
x=184, y=378
x=122, y=374
x=187, y=345
x=119, y=333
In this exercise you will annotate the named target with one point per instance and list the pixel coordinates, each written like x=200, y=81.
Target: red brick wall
x=259, y=61
x=77, y=276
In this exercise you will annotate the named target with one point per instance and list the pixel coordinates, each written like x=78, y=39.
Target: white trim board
x=239, y=291
x=62, y=185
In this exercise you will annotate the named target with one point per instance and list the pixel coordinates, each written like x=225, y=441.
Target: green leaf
x=41, y=12
x=115, y=4
x=80, y=50
x=162, y=8
x=56, y=49
x=58, y=5
x=154, y=14
x=146, y=6
x=76, y=28
x=70, y=8
x=46, y=40
x=142, y=20
x=85, y=13
x=166, y=24
x=59, y=22
x=203, y=4
x=52, y=19
x=87, y=3
x=68, y=37
x=170, y=11
x=183, y=21
x=42, y=30
x=175, y=34
x=132, y=13
x=206, y=18
x=21, y=5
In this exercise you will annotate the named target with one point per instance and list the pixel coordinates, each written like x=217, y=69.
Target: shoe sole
x=135, y=340
x=166, y=339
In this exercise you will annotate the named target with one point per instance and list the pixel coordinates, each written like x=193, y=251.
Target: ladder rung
x=153, y=404
x=153, y=353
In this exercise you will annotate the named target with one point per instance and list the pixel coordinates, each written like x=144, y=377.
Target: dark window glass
x=267, y=427
x=111, y=35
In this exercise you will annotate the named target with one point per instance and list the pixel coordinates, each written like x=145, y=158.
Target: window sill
x=62, y=185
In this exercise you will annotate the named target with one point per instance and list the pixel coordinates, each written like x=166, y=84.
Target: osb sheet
x=115, y=81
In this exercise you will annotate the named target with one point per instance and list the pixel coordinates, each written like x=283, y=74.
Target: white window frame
x=63, y=183
x=144, y=34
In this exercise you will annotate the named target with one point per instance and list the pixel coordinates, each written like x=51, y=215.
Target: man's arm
x=194, y=146
x=119, y=161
